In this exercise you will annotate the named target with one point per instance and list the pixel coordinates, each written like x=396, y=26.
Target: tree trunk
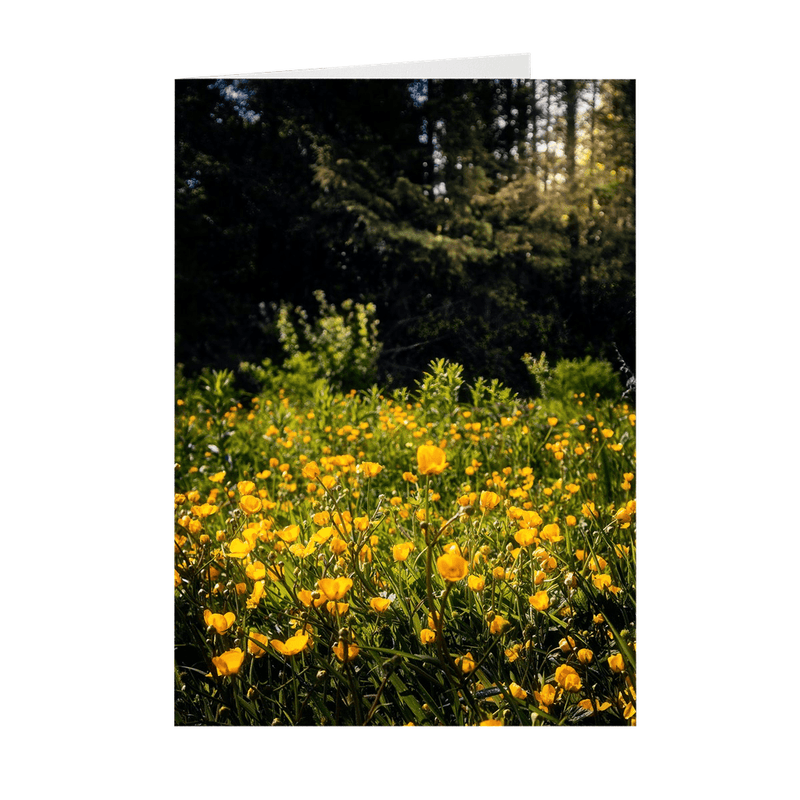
x=532, y=126
x=571, y=97
x=547, y=135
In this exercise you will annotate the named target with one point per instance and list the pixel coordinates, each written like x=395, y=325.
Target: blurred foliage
x=482, y=219
x=339, y=348
x=584, y=377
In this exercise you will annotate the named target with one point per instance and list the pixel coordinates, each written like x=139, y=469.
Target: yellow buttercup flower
x=289, y=534
x=491, y=723
x=229, y=662
x=567, y=644
x=304, y=596
x=401, y=551
x=379, y=604
x=239, y=548
x=476, y=583
x=369, y=469
x=291, y=646
x=205, y=510
x=567, y=678
x=546, y=697
x=258, y=592
x=540, y=601
x=468, y=499
x=219, y=622
x=322, y=535
x=452, y=567
x=246, y=487
x=352, y=651
x=512, y=653
x=597, y=563
x=311, y=471
x=250, y=504
x=616, y=663
x=426, y=636
x=527, y=517
x=257, y=644
x=335, y=588
x=430, y=460
x=587, y=705
x=302, y=550
x=516, y=691
x=338, y=546
x=601, y=581
x=361, y=523
x=256, y=571
x=526, y=536
x=466, y=663
x=552, y=533
x=499, y=625
x=489, y=500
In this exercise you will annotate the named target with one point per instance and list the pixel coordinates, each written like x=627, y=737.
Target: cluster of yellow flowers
x=521, y=582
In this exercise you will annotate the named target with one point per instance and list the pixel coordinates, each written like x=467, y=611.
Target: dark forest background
x=484, y=219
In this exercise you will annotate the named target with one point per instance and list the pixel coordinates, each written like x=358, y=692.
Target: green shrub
x=591, y=377
x=342, y=343
x=298, y=376
x=339, y=349
x=572, y=377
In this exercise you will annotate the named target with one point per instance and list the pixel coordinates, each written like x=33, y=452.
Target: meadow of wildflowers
x=453, y=555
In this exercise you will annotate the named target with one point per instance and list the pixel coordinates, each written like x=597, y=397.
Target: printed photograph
x=405, y=402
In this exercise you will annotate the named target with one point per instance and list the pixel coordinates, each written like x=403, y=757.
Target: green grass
x=493, y=442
